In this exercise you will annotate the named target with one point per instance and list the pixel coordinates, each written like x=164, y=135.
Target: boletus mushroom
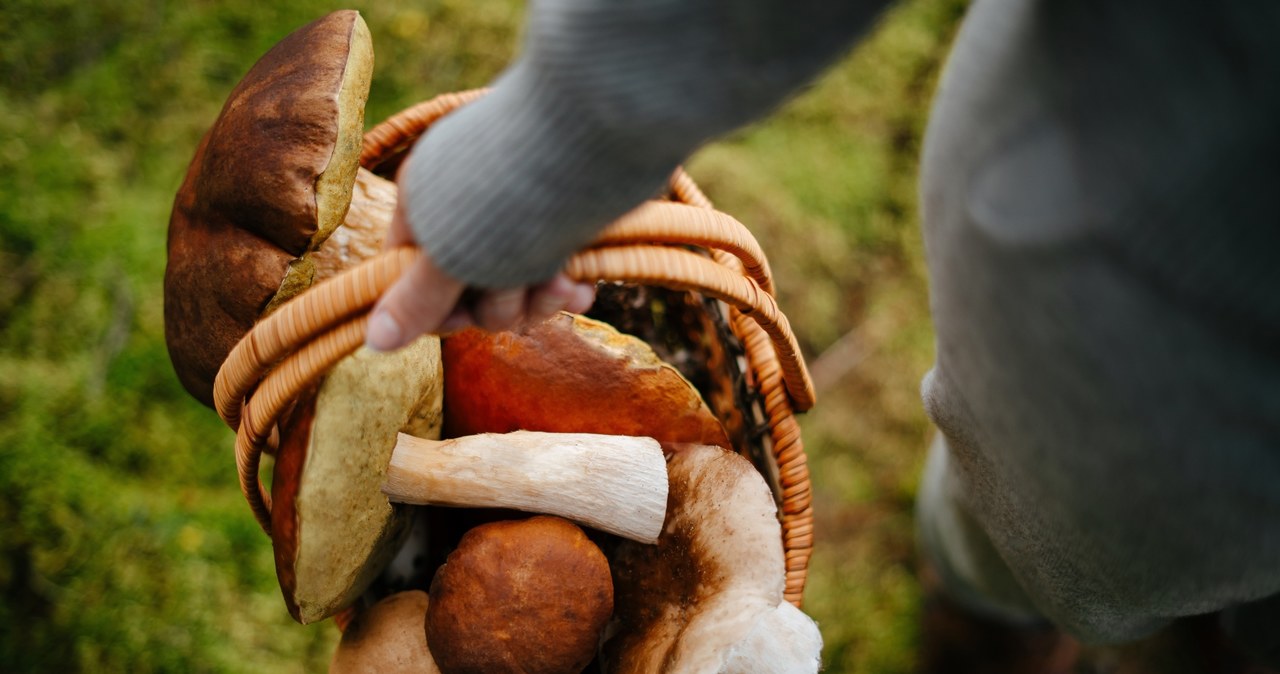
x=708, y=597
x=272, y=180
x=520, y=597
x=387, y=638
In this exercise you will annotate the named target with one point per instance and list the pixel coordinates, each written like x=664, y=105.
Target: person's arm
x=608, y=97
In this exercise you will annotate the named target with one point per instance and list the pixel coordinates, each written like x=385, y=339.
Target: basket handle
x=653, y=223
x=328, y=322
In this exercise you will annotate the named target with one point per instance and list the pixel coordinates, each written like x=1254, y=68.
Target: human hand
x=426, y=299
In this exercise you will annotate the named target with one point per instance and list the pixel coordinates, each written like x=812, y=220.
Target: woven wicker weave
x=682, y=245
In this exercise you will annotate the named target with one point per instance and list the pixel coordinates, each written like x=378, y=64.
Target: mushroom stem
x=613, y=483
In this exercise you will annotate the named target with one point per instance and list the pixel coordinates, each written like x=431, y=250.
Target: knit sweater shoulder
x=604, y=101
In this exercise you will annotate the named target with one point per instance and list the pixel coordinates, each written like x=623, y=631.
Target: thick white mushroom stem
x=783, y=641
x=613, y=483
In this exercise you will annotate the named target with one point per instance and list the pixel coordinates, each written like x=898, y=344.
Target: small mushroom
x=709, y=594
x=570, y=374
x=387, y=638
x=520, y=597
x=271, y=182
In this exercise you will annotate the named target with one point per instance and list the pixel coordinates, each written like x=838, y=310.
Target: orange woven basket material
x=654, y=245
x=672, y=223
x=394, y=135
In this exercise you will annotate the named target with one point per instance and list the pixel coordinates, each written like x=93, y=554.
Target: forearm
x=604, y=102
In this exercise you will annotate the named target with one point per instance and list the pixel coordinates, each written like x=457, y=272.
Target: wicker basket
x=681, y=254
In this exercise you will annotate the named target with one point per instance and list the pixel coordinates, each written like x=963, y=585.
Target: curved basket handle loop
x=355, y=290
x=677, y=223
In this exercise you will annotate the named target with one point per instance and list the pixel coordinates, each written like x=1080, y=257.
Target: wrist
x=503, y=190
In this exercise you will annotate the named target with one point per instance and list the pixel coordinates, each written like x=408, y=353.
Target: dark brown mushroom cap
x=528, y=596
x=270, y=180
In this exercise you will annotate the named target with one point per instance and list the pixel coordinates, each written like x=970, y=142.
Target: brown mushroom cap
x=570, y=374
x=386, y=638
x=269, y=182
x=332, y=527
x=528, y=596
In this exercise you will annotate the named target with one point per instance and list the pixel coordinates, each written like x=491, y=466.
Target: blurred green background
x=124, y=542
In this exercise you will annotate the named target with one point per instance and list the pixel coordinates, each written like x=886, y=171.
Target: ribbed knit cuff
x=501, y=192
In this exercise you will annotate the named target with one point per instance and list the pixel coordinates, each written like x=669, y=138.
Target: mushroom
x=387, y=638
x=708, y=596
x=343, y=465
x=570, y=374
x=520, y=597
x=783, y=641
x=333, y=521
x=270, y=183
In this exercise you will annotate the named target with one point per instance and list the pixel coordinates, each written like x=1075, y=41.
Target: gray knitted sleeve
x=606, y=99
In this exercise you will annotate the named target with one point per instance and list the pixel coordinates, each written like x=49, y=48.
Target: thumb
x=418, y=303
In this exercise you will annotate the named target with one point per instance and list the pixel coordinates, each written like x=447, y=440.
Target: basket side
x=788, y=470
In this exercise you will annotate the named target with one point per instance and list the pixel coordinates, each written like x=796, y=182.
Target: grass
x=124, y=543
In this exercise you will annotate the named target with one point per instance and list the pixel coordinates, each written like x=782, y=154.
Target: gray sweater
x=1101, y=207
